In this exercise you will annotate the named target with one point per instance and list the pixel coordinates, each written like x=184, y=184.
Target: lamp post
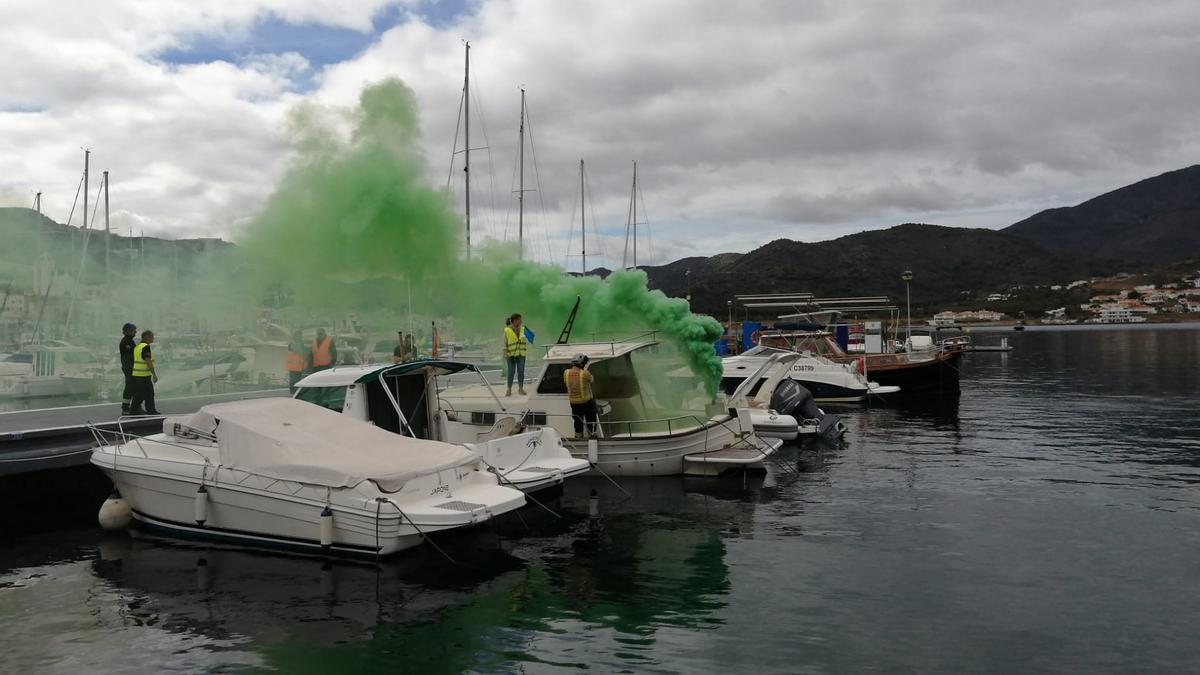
x=688, y=276
x=907, y=277
x=729, y=306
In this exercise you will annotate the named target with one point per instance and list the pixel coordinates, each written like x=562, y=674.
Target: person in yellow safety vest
x=516, y=347
x=579, y=392
x=324, y=352
x=144, y=377
x=296, y=361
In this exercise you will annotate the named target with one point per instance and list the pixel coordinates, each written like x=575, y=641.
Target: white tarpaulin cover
x=294, y=440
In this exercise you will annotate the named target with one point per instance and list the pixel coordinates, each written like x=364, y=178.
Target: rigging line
x=508, y=212
x=587, y=184
x=571, y=231
x=454, y=146
x=629, y=224
x=487, y=145
x=537, y=180
x=77, y=191
x=646, y=222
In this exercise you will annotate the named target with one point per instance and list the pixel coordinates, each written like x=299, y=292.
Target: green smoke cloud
x=355, y=209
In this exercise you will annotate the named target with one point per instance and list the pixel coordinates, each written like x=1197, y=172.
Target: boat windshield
x=333, y=398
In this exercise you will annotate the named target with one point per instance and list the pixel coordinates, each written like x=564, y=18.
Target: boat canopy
x=348, y=375
x=287, y=439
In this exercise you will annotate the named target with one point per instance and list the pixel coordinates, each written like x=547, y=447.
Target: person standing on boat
x=516, y=347
x=579, y=391
x=324, y=352
x=296, y=361
x=125, y=349
x=144, y=377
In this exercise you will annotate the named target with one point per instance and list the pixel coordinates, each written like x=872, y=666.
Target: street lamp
x=688, y=275
x=907, y=277
x=729, y=306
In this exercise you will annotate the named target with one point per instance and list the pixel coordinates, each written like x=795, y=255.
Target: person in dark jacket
x=125, y=349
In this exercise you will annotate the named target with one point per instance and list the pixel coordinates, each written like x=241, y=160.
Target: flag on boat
x=528, y=334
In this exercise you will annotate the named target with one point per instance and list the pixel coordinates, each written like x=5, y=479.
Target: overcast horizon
x=772, y=120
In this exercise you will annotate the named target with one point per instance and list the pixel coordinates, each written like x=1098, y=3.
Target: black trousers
x=582, y=413
x=143, y=394
x=294, y=376
x=127, y=392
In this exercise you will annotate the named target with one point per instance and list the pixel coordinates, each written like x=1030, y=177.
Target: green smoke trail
x=356, y=207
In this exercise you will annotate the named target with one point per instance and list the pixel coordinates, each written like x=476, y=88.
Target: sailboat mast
x=86, y=156
x=582, y=218
x=467, y=140
x=634, y=197
x=521, y=185
x=107, y=235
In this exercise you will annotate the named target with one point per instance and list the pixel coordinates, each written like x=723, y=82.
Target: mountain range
x=1147, y=224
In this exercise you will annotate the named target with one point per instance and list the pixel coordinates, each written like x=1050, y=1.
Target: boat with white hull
x=279, y=472
x=46, y=371
x=779, y=408
x=402, y=398
x=828, y=381
x=647, y=426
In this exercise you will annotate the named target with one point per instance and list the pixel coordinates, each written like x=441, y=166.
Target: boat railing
x=124, y=438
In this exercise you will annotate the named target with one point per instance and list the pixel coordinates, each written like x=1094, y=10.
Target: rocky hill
x=947, y=262
x=1155, y=221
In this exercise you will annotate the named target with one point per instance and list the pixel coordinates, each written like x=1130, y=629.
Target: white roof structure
x=341, y=376
x=292, y=440
x=595, y=351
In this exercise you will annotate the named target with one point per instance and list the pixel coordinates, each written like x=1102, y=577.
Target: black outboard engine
x=791, y=398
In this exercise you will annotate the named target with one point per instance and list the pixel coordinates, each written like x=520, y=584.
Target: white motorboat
x=780, y=408
x=403, y=398
x=50, y=370
x=829, y=382
x=648, y=425
x=284, y=473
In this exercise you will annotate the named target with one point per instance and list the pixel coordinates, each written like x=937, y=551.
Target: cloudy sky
x=749, y=121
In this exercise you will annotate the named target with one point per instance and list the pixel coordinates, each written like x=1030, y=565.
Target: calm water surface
x=1049, y=521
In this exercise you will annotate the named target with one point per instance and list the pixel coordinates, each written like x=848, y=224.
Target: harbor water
x=1047, y=521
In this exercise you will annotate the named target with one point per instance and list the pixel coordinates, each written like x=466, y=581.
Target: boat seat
x=504, y=426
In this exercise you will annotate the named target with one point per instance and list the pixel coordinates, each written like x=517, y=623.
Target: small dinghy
x=284, y=473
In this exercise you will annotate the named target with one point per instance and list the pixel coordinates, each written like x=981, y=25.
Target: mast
x=86, y=156
x=521, y=185
x=467, y=140
x=107, y=235
x=634, y=198
x=582, y=218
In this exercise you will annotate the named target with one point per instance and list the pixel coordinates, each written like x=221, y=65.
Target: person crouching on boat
x=579, y=391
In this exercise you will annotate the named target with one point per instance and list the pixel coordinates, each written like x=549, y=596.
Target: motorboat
x=781, y=408
x=403, y=398
x=924, y=366
x=284, y=473
x=650, y=424
x=50, y=370
x=827, y=380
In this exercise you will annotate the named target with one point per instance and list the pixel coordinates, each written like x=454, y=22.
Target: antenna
x=582, y=219
x=565, y=335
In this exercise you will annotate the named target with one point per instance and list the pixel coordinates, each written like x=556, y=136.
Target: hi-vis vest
x=321, y=354
x=140, y=367
x=295, y=362
x=514, y=344
x=579, y=385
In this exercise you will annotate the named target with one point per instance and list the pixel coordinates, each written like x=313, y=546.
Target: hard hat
x=579, y=360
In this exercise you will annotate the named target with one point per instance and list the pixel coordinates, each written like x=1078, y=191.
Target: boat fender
x=115, y=513
x=326, y=522
x=593, y=450
x=201, y=505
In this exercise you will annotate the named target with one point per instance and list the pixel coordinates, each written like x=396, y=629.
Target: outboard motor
x=791, y=398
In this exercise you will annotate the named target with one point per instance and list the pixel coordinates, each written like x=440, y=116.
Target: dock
x=56, y=438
